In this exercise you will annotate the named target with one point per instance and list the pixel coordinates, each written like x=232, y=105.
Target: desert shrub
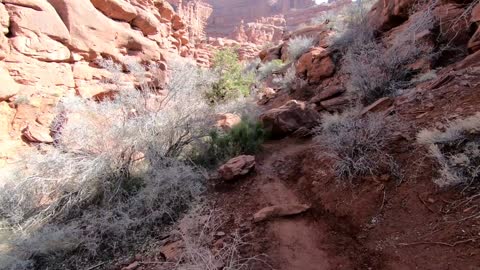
x=197, y=232
x=298, y=46
x=268, y=68
x=357, y=144
x=114, y=177
x=456, y=151
x=233, y=80
x=245, y=137
x=377, y=71
x=285, y=81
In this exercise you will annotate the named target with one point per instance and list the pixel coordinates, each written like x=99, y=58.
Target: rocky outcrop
x=51, y=48
x=315, y=65
x=289, y=118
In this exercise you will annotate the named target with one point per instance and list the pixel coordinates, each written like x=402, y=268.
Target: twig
x=151, y=262
x=440, y=243
x=424, y=203
x=95, y=266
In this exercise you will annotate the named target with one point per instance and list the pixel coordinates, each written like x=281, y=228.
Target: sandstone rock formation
x=50, y=48
x=289, y=118
x=227, y=15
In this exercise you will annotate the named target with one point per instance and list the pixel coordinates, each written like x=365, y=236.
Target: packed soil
x=374, y=223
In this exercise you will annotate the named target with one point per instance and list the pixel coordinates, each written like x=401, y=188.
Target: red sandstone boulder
x=288, y=118
x=315, y=65
x=236, y=167
x=116, y=9
x=146, y=22
x=387, y=14
x=37, y=134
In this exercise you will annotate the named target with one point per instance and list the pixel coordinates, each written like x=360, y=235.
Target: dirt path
x=297, y=239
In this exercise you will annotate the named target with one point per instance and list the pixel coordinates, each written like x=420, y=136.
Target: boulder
x=288, y=118
x=165, y=9
x=315, y=65
x=37, y=16
x=9, y=87
x=37, y=134
x=236, y=167
x=279, y=211
x=116, y=9
x=146, y=22
x=388, y=14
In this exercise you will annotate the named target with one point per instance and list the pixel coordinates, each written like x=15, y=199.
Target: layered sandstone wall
x=228, y=14
x=51, y=48
x=195, y=14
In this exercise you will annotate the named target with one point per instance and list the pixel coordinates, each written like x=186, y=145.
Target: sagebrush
x=114, y=177
x=456, y=150
x=298, y=46
x=357, y=144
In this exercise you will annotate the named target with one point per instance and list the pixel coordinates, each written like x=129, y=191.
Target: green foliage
x=244, y=138
x=233, y=81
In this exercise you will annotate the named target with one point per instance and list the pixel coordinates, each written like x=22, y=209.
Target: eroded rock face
x=50, y=49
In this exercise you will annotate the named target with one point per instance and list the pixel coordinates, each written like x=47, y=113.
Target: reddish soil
x=378, y=223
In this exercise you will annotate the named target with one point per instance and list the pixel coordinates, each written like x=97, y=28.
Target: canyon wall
x=50, y=49
x=228, y=14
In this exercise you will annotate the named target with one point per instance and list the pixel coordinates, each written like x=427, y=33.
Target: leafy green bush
x=244, y=138
x=233, y=81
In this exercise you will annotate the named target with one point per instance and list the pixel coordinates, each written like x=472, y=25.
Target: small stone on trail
x=280, y=211
x=236, y=167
